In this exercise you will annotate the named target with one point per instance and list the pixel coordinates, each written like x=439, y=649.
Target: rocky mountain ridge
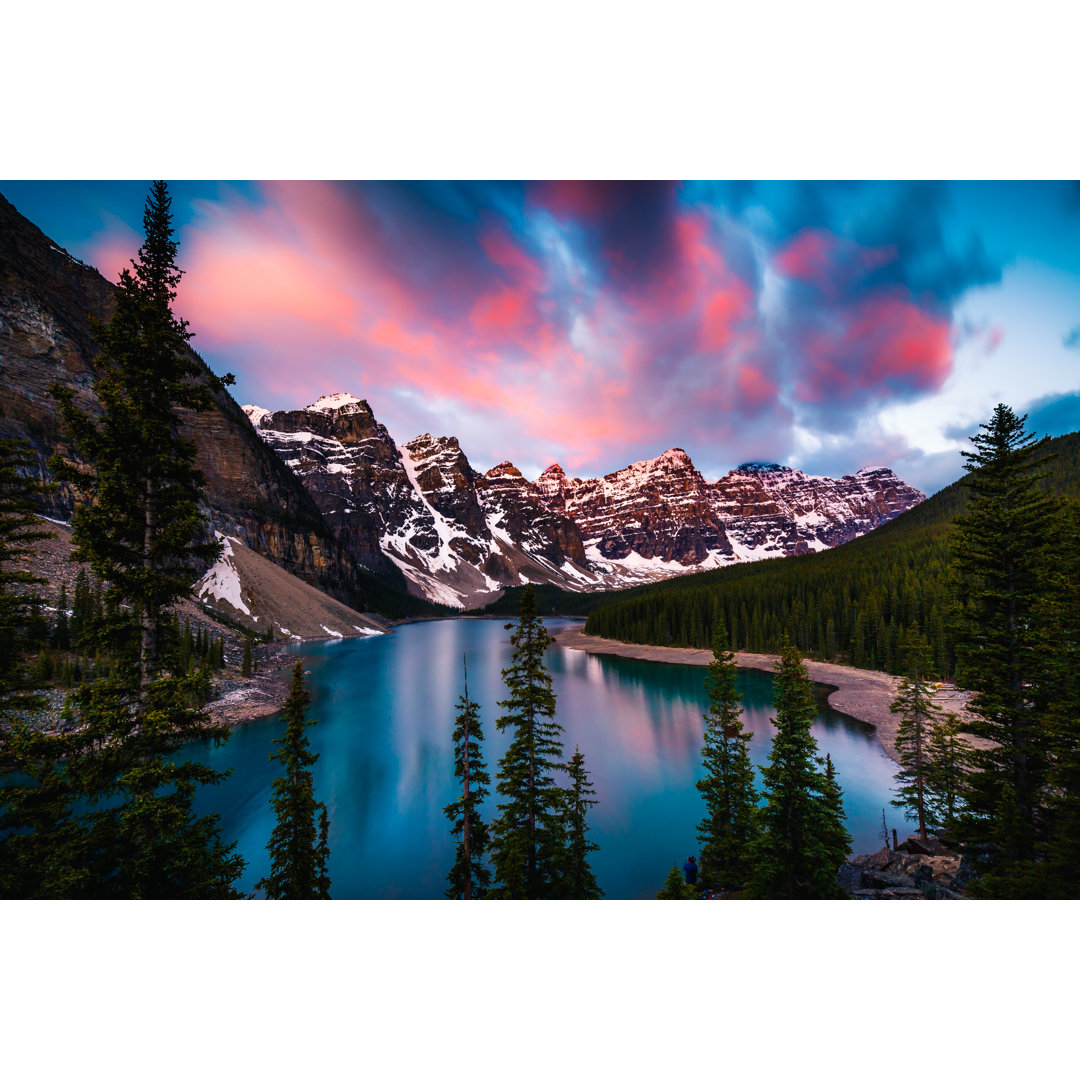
x=460, y=536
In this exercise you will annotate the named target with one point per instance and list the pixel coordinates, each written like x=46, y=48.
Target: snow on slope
x=221, y=582
x=257, y=593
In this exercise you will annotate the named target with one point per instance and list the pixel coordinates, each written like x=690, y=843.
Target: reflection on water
x=385, y=709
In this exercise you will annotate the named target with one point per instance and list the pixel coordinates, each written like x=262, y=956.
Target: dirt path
x=862, y=695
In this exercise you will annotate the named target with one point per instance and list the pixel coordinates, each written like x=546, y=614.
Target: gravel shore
x=860, y=694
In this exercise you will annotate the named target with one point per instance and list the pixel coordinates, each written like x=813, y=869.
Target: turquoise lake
x=384, y=708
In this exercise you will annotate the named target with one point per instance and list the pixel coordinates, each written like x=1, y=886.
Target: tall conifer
x=919, y=714
x=528, y=837
x=469, y=876
x=138, y=526
x=298, y=846
x=799, y=849
x=578, y=880
x=728, y=829
x=1000, y=547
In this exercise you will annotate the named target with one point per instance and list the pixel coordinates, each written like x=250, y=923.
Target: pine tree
x=920, y=714
x=528, y=837
x=675, y=888
x=469, y=877
x=945, y=773
x=999, y=551
x=798, y=852
x=82, y=612
x=298, y=845
x=141, y=529
x=835, y=838
x=728, y=829
x=138, y=525
x=1060, y=616
x=245, y=664
x=578, y=880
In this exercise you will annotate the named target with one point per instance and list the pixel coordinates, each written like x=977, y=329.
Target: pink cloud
x=313, y=290
x=884, y=343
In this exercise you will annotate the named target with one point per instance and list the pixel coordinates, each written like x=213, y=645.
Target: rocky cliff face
x=47, y=299
x=459, y=536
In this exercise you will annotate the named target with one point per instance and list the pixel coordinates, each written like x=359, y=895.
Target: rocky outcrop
x=919, y=870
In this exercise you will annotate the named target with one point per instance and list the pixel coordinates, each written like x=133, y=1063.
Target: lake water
x=385, y=707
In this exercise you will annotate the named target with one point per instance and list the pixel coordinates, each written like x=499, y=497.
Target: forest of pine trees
x=852, y=604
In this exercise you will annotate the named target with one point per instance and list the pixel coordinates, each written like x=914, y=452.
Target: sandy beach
x=862, y=695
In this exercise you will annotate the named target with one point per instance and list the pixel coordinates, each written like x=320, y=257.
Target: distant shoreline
x=863, y=695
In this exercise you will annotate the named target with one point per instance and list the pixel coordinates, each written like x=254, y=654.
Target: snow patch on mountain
x=333, y=402
x=221, y=581
x=255, y=413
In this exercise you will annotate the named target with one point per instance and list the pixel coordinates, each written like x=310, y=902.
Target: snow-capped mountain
x=457, y=536
x=460, y=536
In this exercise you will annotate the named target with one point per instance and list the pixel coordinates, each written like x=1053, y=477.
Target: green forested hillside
x=850, y=603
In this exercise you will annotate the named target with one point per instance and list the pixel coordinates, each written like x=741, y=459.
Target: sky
x=828, y=325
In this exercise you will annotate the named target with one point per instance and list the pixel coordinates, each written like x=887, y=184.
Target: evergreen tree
x=141, y=529
x=799, y=851
x=578, y=880
x=245, y=664
x=835, y=839
x=138, y=526
x=727, y=831
x=298, y=845
x=919, y=714
x=675, y=888
x=469, y=877
x=528, y=837
x=1000, y=545
x=945, y=773
x=1061, y=618
x=82, y=612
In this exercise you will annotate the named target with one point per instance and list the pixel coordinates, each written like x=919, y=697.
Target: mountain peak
x=255, y=413
x=676, y=453
x=504, y=468
x=332, y=402
x=762, y=467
